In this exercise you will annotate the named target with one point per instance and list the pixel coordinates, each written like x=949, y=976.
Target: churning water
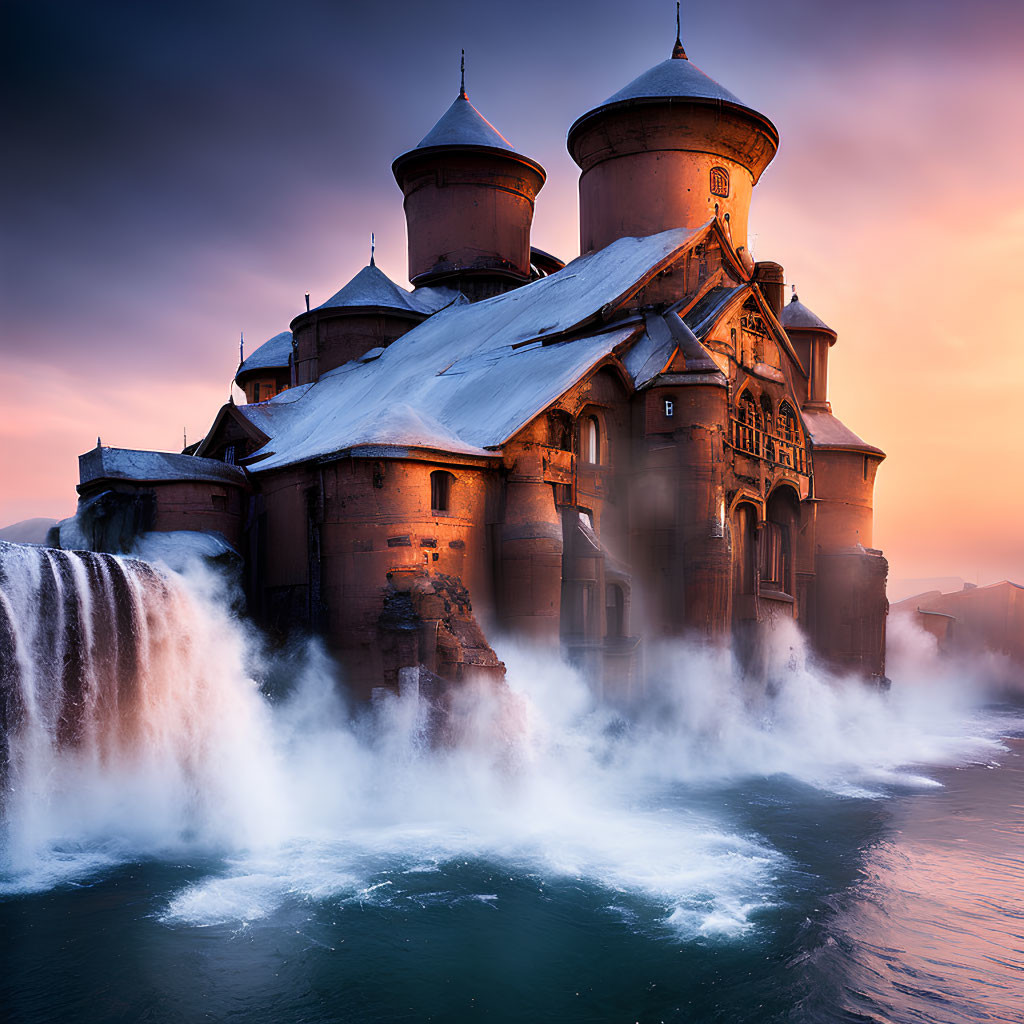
x=193, y=831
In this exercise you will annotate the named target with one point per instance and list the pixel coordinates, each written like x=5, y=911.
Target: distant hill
x=28, y=531
x=900, y=590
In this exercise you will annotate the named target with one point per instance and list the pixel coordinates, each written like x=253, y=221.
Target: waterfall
x=123, y=699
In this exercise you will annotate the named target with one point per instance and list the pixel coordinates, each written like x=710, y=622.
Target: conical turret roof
x=463, y=125
x=272, y=354
x=675, y=79
x=796, y=316
x=371, y=287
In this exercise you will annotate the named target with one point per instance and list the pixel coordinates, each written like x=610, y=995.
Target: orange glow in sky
x=894, y=204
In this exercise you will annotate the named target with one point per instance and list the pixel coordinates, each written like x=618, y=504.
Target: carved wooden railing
x=764, y=444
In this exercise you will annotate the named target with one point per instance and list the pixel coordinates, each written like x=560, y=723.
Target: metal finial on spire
x=678, y=53
x=373, y=245
x=462, y=86
x=794, y=298
x=241, y=348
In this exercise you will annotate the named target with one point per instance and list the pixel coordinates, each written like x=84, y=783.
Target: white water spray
x=136, y=730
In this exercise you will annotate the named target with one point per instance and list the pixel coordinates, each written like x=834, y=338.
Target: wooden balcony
x=761, y=444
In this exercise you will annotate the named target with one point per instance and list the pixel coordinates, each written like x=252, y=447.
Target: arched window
x=591, y=440
x=768, y=424
x=440, y=491
x=750, y=425
x=791, y=453
x=787, y=427
x=720, y=182
x=777, y=541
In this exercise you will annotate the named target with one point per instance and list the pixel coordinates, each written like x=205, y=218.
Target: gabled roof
x=472, y=375
x=248, y=417
x=463, y=125
x=153, y=467
x=715, y=303
x=271, y=355
x=708, y=309
x=371, y=288
x=796, y=316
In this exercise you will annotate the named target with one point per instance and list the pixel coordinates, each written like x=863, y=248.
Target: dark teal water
x=900, y=902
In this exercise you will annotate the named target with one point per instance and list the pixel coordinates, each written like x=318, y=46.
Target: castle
x=636, y=445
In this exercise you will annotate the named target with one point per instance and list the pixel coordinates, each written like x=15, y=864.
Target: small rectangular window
x=440, y=491
x=229, y=455
x=670, y=407
x=220, y=502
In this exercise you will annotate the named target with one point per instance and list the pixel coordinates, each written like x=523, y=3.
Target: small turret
x=812, y=338
x=267, y=371
x=469, y=202
x=369, y=312
x=668, y=151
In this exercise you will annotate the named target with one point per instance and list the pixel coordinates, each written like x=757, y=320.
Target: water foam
x=301, y=797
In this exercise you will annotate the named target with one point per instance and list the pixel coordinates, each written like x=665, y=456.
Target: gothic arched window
x=591, y=440
x=751, y=424
x=720, y=182
x=787, y=426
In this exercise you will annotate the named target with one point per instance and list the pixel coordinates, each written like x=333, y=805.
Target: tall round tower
x=664, y=152
x=469, y=201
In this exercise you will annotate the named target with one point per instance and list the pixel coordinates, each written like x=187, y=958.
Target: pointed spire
x=373, y=246
x=241, y=348
x=462, y=86
x=678, y=53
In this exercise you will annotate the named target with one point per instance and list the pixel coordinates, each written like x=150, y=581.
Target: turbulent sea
x=225, y=840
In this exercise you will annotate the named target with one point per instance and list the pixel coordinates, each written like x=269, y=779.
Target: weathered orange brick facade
x=634, y=447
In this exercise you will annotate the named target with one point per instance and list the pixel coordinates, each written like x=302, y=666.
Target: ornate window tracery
x=720, y=182
x=772, y=436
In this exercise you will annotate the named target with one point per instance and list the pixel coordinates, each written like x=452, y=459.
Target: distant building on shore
x=636, y=445
x=972, y=619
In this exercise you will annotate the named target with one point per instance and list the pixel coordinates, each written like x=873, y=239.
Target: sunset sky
x=175, y=174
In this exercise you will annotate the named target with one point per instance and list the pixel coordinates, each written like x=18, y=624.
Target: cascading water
x=722, y=810
x=122, y=707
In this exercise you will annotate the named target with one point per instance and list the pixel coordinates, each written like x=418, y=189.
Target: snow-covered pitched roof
x=271, y=355
x=463, y=125
x=371, y=287
x=795, y=315
x=153, y=467
x=827, y=431
x=705, y=313
x=473, y=374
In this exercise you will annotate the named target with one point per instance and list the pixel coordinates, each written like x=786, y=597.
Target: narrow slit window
x=592, y=440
